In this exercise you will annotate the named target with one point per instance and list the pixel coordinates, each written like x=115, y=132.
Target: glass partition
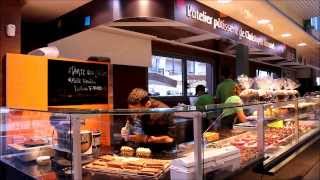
x=280, y=129
x=231, y=138
x=309, y=122
x=166, y=143
x=33, y=143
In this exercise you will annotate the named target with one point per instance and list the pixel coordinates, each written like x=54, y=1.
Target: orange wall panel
x=27, y=88
x=26, y=82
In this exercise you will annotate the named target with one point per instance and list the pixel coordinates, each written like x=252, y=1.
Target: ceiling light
x=285, y=35
x=263, y=21
x=247, y=13
x=224, y=1
x=302, y=44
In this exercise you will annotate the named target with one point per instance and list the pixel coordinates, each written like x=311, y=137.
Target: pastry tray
x=124, y=173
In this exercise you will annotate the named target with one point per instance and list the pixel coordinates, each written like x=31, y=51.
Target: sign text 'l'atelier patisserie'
x=218, y=23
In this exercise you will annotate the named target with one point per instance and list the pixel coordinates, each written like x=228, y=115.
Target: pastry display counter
x=90, y=144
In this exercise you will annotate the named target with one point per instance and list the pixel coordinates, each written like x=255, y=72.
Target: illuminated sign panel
x=218, y=23
x=203, y=17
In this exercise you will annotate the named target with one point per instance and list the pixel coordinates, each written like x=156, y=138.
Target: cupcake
x=143, y=152
x=126, y=151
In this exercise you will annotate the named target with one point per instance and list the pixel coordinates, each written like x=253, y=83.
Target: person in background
x=203, y=97
x=234, y=114
x=225, y=88
x=155, y=131
x=203, y=100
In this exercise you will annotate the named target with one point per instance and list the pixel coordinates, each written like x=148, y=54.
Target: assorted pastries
x=140, y=152
x=131, y=165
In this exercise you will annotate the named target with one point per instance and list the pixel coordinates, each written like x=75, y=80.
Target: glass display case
x=231, y=143
x=172, y=143
x=90, y=144
x=36, y=144
x=289, y=127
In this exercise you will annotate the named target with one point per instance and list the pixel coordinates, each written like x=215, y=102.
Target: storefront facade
x=185, y=30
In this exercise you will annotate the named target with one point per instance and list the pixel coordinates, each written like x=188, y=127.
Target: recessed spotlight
x=286, y=35
x=263, y=21
x=224, y=1
x=302, y=44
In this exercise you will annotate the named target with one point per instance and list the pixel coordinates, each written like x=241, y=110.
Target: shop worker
x=203, y=97
x=234, y=114
x=155, y=130
x=225, y=88
x=203, y=100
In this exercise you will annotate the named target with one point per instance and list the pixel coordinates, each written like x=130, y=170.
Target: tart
x=211, y=136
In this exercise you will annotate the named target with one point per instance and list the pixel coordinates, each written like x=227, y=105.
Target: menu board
x=75, y=83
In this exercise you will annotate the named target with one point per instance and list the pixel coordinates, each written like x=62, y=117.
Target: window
x=165, y=76
x=173, y=76
x=315, y=22
x=262, y=73
x=197, y=74
x=318, y=81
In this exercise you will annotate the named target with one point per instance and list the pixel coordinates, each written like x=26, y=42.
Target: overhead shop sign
x=216, y=23
x=201, y=16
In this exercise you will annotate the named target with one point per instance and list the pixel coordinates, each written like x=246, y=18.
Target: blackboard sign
x=75, y=83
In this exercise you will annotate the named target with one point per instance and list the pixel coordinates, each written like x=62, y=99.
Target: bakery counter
x=90, y=144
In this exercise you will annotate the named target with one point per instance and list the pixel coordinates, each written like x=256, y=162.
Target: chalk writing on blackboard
x=73, y=83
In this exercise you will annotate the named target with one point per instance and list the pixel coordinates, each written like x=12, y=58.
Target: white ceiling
x=298, y=10
x=250, y=11
x=45, y=10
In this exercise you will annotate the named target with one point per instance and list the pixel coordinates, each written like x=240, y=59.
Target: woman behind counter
x=156, y=130
x=234, y=114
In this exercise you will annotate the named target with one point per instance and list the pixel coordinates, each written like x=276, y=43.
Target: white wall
x=121, y=47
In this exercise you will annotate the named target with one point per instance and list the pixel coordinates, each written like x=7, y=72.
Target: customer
x=203, y=97
x=225, y=88
x=233, y=114
x=156, y=130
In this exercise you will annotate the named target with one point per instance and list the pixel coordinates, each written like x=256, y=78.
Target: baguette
x=139, y=163
x=107, y=158
x=116, y=164
x=156, y=164
x=99, y=163
x=149, y=171
x=131, y=167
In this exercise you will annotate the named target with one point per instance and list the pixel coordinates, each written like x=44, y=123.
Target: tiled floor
x=314, y=173
x=306, y=166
